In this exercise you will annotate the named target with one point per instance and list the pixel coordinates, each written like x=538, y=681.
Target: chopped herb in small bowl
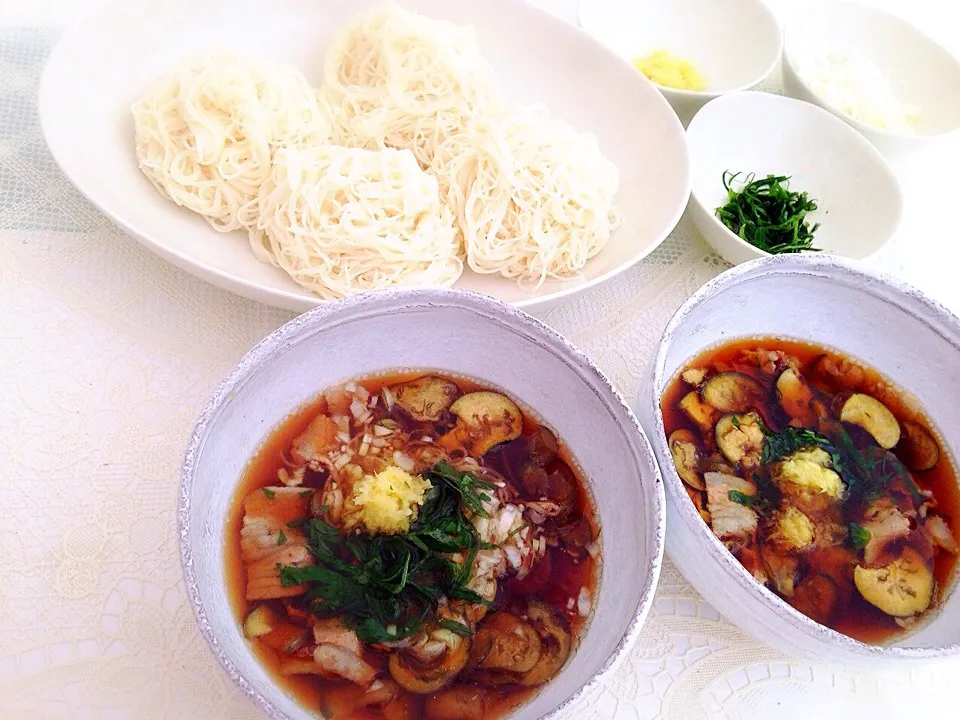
x=767, y=213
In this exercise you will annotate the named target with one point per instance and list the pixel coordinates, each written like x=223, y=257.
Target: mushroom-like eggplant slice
x=556, y=643
x=686, y=457
x=796, y=397
x=917, y=447
x=873, y=416
x=731, y=392
x=485, y=419
x=901, y=589
x=816, y=597
x=426, y=399
x=740, y=438
x=697, y=410
x=423, y=678
x=504, y=642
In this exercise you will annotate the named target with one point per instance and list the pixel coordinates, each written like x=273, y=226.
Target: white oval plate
x=103, y=63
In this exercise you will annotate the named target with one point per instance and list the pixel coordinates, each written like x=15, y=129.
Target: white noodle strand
x=343, y=220
x=397, y=79
x=532, y=197
x=206, y=134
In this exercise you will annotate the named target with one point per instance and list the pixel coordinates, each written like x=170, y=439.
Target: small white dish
x=831, y=301
x=109, y=59
x=857, y=193
x=464, y=334
x=920, y=72
x=735, y=44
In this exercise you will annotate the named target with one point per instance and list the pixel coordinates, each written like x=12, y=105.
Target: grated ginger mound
x=810, y=471
x=794, y=529
x=387, y=502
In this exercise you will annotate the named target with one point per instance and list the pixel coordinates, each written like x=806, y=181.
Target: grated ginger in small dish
x=668, y=70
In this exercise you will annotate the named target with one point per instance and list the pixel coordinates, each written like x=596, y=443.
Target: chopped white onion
x=583, y=602
x=404, y=462
x=388, y=398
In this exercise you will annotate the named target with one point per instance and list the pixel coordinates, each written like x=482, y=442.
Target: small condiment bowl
x=460, y=333
x=857, y=193
x=920, y=72
x=735, y=44
x=830, y=301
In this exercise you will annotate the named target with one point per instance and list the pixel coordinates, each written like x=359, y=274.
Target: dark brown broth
x=858, y=619
x=567, y=576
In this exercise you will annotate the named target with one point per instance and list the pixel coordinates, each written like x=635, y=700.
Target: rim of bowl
x=882, y=163
x=813, y=265
x=789, y=56
x=428, y=297
x=708, y=95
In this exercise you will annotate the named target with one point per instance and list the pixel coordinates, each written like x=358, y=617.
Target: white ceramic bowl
x=109, y=59
x=858, y=196
x=885, y=323
x=466, y=334
x=920, y=71
x=735, y=44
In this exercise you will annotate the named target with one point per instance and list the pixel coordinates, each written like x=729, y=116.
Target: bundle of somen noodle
x=206, y=133
x=397, y=79
x=533, y=198
x=342, y=220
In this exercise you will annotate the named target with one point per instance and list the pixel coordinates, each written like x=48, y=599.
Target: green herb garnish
x=859, y=536
x=767, y=214
x=281, y=538
x=778, y=445
x=268, y=492
x=387, y=586
x=304, y=493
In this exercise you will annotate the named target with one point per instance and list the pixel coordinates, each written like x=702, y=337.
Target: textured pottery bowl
x=892, y=327
x=461, y=333
x=764, y=134
x=920, y=72
x=735, y=44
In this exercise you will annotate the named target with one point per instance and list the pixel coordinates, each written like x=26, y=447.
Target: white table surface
x=107, y=353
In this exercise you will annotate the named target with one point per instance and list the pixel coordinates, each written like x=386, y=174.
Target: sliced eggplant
x=556, y=643
x=740, y=438
x=485, y=419
x=686, y=457
x=901, y=589
x=816, y=597
x=873, y=416
x=917, y=447
x=731, y=392
x=795, y=397
x=834, y=374
x=423, y=678
x=259, y=622
x=504, y=642
x=697, y=410
x=426, y=399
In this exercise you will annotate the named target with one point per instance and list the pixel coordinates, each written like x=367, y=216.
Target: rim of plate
x=373, y=302
x=818, y=266
x=290, y=299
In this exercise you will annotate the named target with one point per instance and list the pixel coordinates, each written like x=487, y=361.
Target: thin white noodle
x=532, y=197
x=397, y=79
x=343, y=220
x=206, y=133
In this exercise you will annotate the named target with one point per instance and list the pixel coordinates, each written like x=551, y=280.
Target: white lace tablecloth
x=107, y=353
